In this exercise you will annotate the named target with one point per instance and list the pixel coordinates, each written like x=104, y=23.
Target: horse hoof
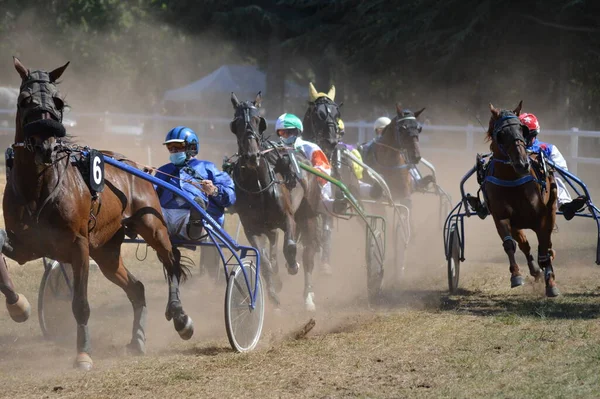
x=136, y=348
x=188, y=329
x=516, y=281
x=326, y=269
x=20, y=310
x=83, y=362
x=293, y=270
x=552, y=292
x=309, y=302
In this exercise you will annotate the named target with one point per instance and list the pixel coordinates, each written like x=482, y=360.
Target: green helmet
x=288, y=121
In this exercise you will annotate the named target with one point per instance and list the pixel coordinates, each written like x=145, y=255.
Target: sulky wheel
x=54, y=300
x=375, y=259
x=244, y=324
x=453, y=257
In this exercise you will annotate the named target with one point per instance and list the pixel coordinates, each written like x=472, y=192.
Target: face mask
x=178, y=158
x=288, y=140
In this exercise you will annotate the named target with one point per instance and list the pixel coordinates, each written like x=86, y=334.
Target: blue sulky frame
x=455, y=220
x=218, y=236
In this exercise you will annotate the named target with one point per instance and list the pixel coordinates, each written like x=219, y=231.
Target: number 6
x=97, y=171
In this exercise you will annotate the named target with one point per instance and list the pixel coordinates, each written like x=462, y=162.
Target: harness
x=80, y=158
x=485, y=172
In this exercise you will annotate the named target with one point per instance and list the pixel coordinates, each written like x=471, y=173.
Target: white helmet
x=382, y=122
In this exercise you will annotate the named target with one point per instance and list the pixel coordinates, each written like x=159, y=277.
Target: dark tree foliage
x=449, y=55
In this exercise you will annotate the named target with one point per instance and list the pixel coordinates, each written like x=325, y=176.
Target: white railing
x=215, y=129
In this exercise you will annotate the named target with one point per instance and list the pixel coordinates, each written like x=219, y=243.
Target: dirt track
x=490, y=341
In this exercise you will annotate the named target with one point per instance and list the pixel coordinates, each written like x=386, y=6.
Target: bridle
x=251, y=133
x=501, y=124
x=398, y=136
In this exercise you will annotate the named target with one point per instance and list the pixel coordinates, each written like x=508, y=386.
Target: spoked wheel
x=54, y=300
x=453, y=256
x=243, y=323
x=445, y=207
x=400, y=245
x=375, y=259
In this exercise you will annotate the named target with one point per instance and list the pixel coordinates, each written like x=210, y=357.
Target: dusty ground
x=488, y=341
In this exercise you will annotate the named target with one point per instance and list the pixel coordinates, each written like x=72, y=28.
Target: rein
x=402, y=153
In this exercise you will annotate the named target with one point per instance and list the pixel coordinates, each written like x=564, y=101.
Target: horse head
x=40, y=110
x=321, y=121
x=248, y=126
x=507, y=136
x=403, y=133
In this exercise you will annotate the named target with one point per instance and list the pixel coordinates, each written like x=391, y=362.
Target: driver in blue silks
x=211, y=188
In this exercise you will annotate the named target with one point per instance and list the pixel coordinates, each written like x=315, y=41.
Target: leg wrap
x=509, y=244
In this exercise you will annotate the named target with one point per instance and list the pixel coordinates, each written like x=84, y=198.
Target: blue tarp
x=244, y=80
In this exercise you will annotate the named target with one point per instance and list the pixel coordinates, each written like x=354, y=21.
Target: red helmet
x=531, y=122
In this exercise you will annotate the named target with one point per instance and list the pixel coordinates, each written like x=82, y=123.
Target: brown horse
x=49, y=211
x=264, y=204
x=394, y=153
x=520, y=197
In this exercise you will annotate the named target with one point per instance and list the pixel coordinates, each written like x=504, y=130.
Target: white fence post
x=470, y=137
x=574, y=151
x=361, y=132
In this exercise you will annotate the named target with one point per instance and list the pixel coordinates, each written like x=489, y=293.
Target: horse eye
x=25, y=99
x=58, y=103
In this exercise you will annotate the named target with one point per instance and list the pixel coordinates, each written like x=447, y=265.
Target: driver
x=211, y=188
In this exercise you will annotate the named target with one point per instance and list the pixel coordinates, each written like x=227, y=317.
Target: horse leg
x=545, y=256
x=272, y=237
x=510, y=247
x=309, y=234
x=156, y=235
x=524, y=246
x=266, y=269
x=80, y=305
x=289, y=244
x=273, y=240
x=17, y=305
x=110, y=263
x=326, y=244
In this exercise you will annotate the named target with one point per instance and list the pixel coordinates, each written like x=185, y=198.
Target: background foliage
x=452, y=56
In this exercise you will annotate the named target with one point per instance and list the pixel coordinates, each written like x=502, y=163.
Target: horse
x=51, y=211
x=264, y=204
x=321, y=124
x=520, y=196
x=395, y=152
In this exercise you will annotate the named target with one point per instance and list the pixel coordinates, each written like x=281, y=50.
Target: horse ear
x=234, y=100
x=399, y=108
x=517, y=110
x=258, y=100
x=419, y=112
x=312, y=93
x=57, y=73
x=331, y=93
x=494, y=110
x=23, y=72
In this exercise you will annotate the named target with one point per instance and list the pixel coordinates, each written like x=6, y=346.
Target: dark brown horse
x=49, y=211
x=321, y=125
x=395, y=152
x=264, y=204
x=519, y=197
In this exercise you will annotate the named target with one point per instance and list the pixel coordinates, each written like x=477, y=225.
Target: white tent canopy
x=244, y=80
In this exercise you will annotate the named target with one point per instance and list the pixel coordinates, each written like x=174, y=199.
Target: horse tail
x=182, y=263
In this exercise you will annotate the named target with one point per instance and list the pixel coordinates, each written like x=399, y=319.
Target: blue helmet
x=183, y=134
